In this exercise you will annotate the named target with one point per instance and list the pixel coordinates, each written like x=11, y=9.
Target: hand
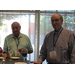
x=5, y=55
x=22, y=49
x=36, y=62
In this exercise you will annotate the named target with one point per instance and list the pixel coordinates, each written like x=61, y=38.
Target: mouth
x=15, y=32
x=55, y=25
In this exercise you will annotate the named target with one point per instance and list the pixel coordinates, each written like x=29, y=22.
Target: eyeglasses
x=56, y=20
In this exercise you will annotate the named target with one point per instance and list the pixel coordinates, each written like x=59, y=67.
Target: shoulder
x=23, y=35
x=50, y=33
x=9, y=36
x=67, y=31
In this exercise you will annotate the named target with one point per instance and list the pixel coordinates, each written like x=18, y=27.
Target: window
x=28, y=24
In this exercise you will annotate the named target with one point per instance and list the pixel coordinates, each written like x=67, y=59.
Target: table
x=7, y=61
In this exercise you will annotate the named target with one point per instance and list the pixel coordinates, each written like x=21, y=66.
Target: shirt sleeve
x=72, y=48
x=29, y=45
x=5, y=46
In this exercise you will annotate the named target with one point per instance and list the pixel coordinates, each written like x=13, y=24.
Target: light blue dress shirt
x=11, y=42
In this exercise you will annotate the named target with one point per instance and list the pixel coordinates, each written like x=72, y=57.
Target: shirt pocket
x=64, y=49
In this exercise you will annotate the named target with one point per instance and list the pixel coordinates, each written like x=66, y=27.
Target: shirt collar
x=20, y=36
x=58, y=33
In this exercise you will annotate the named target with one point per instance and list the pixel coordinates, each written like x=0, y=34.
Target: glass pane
x=65, y=10
x=45, y=27
x=69, y=20
x=57, y=11
x=27, y=27
x=49, y=10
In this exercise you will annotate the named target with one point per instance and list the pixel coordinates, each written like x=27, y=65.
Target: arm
x=43, y=54
x=5, y=46
x=43, y=51
x=5, y=49
x=30, y=51
x=72, y=48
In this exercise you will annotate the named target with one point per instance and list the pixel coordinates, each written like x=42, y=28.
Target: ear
x=62, y=21
x=20, y=27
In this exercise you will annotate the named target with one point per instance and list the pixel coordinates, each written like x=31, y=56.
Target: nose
x=54, y=22
x=14, y=29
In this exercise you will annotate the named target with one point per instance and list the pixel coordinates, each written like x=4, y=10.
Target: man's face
x=56, y=22
x=16, y=29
